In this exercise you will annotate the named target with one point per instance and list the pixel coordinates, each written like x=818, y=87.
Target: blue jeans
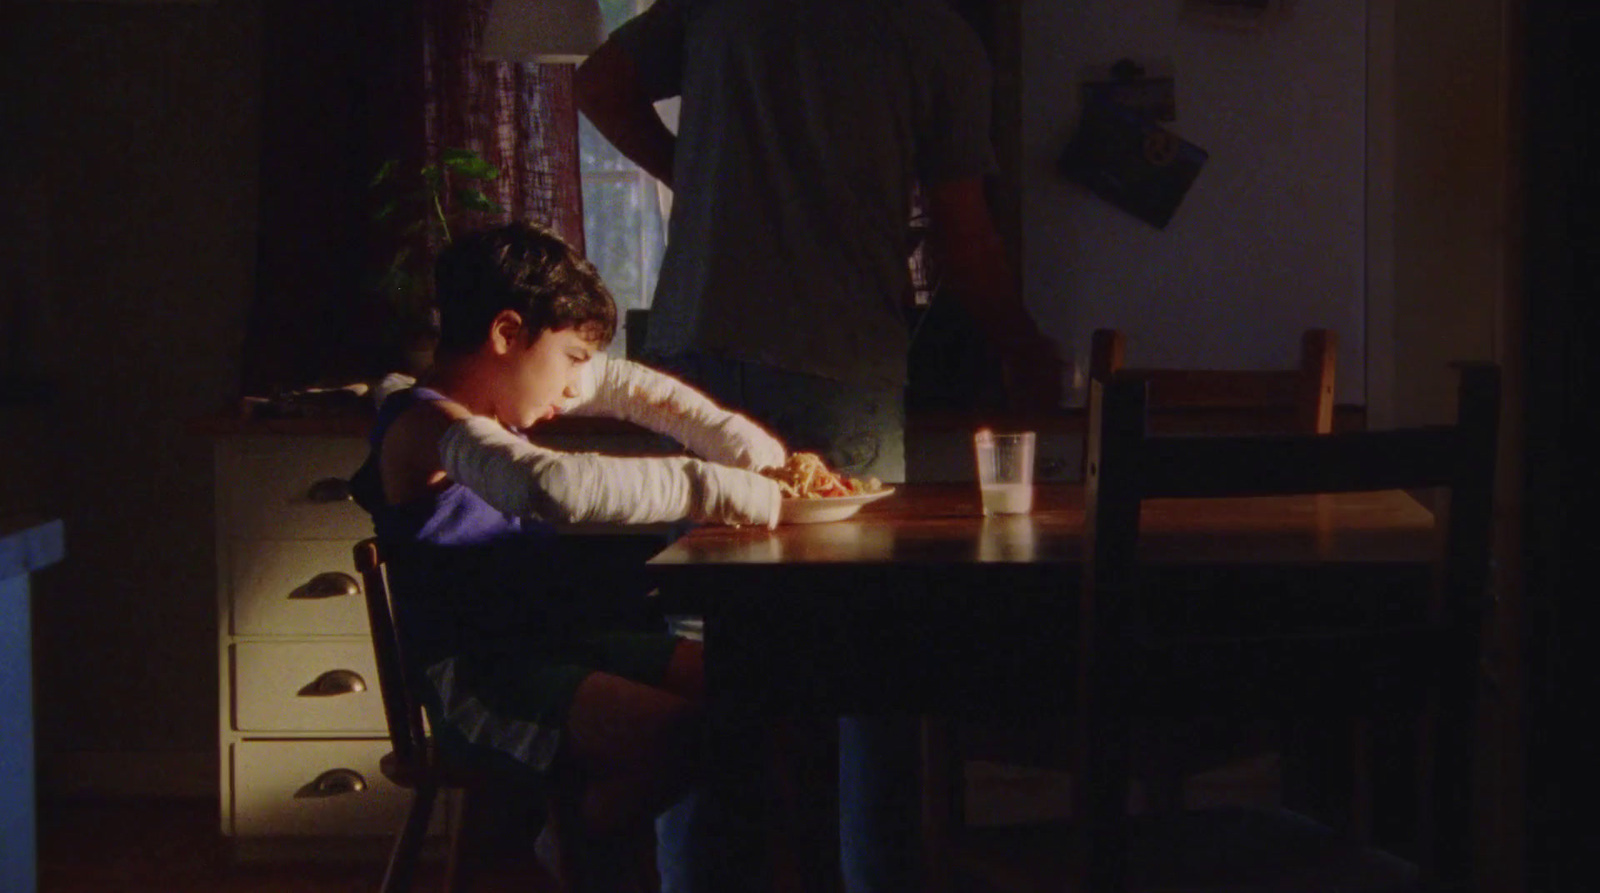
x=861, y=431
x=878, y=801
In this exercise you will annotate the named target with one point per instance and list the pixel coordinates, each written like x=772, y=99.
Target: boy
x=534, y=660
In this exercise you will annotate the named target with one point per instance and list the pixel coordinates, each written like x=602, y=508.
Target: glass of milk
x=1005, y=471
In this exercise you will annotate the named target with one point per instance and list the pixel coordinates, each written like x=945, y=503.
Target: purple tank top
x=465, y=576
x=454, y=516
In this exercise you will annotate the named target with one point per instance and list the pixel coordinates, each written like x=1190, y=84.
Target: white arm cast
x=522, y=479
x=623, y=389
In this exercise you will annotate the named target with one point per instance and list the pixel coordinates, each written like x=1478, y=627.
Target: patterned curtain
x=521, y=118
x=346, y=86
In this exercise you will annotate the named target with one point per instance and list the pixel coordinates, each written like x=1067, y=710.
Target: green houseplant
x=415, y=213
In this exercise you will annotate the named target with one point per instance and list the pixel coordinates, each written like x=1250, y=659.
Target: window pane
x=615, y=12
x=654, y=233
x=622, y=229
x=622, y=223
x=595, y=152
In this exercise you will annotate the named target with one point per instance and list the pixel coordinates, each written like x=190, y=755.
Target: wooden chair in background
x=1408, y=654
x=1205, y=401
x=1298, y=399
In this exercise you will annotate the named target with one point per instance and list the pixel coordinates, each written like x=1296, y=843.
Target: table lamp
x=542, y=30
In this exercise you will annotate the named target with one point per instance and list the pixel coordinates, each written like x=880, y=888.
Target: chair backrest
x=1302, y=396
x=407, y=733
x=1127, y=466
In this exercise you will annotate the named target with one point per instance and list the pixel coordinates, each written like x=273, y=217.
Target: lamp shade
x=542, y=30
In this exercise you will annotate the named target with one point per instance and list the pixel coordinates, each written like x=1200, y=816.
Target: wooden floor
x=173, y=846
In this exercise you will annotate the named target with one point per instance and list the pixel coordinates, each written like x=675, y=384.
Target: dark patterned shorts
x=510, y=704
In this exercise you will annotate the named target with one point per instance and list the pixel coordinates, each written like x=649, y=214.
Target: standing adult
x=804, y=130
x=804, y=127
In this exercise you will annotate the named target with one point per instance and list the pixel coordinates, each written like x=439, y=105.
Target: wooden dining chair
x=1289, y=400
x=1412, y=654
x=1296, y=399
x=415, y=762
x=1401, y=655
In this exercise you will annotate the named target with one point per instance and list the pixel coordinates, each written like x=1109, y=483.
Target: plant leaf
x=388, y=208
x=384, y=172
x=473, y=168
x=468, y=163
x=474, y=200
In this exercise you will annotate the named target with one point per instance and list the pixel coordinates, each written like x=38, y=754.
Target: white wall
x=1270, y=239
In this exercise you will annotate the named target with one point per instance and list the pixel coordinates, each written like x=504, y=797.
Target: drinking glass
x=1005, y=471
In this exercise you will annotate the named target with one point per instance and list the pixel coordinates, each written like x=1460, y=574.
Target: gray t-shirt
x=803, y=126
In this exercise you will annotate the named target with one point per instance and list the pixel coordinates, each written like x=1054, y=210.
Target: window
x=623, y=225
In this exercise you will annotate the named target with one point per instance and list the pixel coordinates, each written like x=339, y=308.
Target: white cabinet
x=301, y=725
x=314, y=787
x=301, y=720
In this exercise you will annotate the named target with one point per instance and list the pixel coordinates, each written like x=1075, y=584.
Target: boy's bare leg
x=637, y=749
x=686, y=672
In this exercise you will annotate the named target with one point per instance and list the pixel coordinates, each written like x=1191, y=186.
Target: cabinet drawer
x=291, y=488
x=317, y=788
x=295, y=588
x=306, y=687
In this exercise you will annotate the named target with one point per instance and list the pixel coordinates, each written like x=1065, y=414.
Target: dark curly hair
x=523, y=267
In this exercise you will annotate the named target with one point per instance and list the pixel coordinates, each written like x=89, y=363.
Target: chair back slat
x=1470, y=534
x=1219, y=388
x=1319, y=349
x=1302, y=397
x=1270, y=465
x=1108, y=352
x=407, y=733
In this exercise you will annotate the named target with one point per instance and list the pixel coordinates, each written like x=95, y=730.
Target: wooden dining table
x=919, y=598
x=921, y=605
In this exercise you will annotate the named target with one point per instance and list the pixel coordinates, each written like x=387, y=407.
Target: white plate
x=826, y=508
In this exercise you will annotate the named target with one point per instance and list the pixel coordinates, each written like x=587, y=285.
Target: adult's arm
x=611, y=94
x=968, y=247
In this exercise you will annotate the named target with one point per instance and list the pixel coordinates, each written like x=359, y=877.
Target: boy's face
x=547, y=373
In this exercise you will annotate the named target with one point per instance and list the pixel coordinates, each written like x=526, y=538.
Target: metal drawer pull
x=329, y=584
x=332, y=783
x=334, y=682
x=329, y=490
